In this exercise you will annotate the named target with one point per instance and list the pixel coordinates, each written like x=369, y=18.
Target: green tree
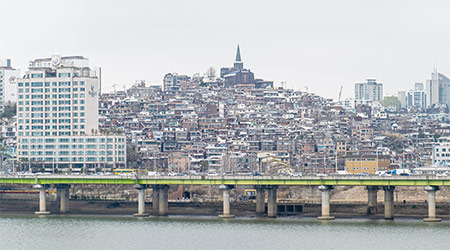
x=9, y=111
x=395, y=142
x=133, y=159
x=204, y=166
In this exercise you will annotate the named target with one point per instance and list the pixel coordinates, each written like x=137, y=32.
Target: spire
x=238, y=54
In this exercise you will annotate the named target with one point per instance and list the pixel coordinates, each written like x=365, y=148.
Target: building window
x=36, y=84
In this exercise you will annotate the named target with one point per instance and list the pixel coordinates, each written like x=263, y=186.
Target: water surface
x=124, y=232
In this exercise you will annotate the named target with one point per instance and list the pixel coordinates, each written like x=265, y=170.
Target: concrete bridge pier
x=325, y=203
x=62, y=191
x=431, y=204
x=155, y=198
x=141, y=201
x=372, y=199
x=226, y=201
x=272, y=207
x=388, y=202
x=42, y=204
x=260, y=200
x=163, y=200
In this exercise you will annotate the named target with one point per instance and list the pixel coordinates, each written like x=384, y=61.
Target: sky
x=320, y=45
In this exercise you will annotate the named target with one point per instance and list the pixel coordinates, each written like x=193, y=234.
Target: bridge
x=347, y=180
x=160, y=185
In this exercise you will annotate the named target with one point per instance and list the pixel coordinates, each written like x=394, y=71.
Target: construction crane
x=340, y=93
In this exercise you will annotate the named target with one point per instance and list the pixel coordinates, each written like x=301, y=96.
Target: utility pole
x=336, y=160
x=377, y=161
x=154, y=162
x=360, y=164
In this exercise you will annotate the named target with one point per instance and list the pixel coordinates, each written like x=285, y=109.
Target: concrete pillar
x=260, y=200
x=431, y=204
x=58, y=194
x=42, y=205
x=163, y=200
x=372, y=199
x=325, y=203
x=155, y=198
x=63, y=198
x=389, y=202
x=141, y=201
x=226, y=202
x=272, y=207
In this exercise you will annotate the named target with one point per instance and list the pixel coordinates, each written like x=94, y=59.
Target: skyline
x=319, y=45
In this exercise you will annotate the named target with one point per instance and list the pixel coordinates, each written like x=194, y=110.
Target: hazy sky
x=322, y=44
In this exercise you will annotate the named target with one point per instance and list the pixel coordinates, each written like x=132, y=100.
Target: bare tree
x=211, y=73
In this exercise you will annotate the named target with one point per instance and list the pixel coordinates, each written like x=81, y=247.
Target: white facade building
x=441, y=151
x=441, y=154
x=403, y=99
x=57, y=118
x=438, y=89
x=416, y=98
x=369, y=91
x=8, y=83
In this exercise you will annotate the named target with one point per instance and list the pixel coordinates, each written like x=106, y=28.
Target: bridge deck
x=232, y=180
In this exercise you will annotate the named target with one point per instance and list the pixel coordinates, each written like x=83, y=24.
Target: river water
x=126, y=232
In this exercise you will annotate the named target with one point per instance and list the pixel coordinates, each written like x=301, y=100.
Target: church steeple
x=238, y=64
x=238, y=54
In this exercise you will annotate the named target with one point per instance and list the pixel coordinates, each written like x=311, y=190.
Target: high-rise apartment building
x=8, y=81
x=438, y=89
x=369, y=91
x=402, y=98
x=416, y=98
x=57, y=118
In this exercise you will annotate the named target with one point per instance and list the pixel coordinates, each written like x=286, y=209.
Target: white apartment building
x=441, y=151
x=437, y=89
x=8, y=83
x=369, y=91
x=57, y=118
x=441, y=154
x=416, y=98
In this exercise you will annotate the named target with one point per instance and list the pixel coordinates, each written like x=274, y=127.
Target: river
x=126, y=232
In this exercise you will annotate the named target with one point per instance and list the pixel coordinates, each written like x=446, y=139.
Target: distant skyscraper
x=402, y=98
x=438, y=89
x=369, y=91
x=418, y=86
x=57, y=118
x=8, y=83
x=416, y=98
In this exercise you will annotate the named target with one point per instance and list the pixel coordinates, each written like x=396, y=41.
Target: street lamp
x=360, y=163
x=377, y=161
x=53, y=162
